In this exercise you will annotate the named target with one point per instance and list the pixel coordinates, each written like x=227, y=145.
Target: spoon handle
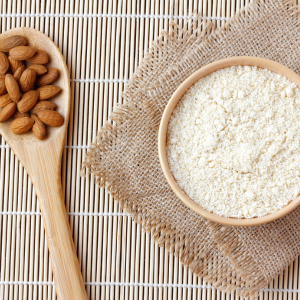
x=69, y=283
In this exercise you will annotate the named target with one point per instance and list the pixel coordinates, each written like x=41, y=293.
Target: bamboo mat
x=103, y=43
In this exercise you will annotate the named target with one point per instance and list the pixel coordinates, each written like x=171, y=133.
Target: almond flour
x=233, y=142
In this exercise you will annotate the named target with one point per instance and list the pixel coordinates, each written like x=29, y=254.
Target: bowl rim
x=162, y=136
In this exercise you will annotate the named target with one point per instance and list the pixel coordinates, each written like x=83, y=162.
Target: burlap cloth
x=125, y=157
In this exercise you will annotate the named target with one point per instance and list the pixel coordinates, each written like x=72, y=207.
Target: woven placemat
x=125, y=159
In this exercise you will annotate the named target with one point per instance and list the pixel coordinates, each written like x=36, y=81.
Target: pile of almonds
x=25, y=88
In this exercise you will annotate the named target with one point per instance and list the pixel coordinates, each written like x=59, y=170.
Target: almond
x=28, y=101
x=51, y=118
x=40, y=58
x=42, y=105
x=21, y=125
x=12, y=88
x=4, y=63
x=2, y=87
x=15, y=64
x=12, y=42
x=2, y=76
x=19, y=72
x=48, y=91
x=18, y=114
x=38, y=129
x=7, y=111
x=39, y=69
x=48, y=78
x=4, y=100
x=22, y=52
x=27, y=80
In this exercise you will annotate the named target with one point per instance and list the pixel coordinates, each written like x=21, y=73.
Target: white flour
x=233, y=142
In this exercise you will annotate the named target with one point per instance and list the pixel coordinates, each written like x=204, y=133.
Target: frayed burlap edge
x=140, y=80
x=214, y=268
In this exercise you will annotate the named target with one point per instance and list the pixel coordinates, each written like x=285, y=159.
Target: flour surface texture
x=233, y=142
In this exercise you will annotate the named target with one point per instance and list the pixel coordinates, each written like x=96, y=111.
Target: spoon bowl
x=40, y=41
x=42, y=161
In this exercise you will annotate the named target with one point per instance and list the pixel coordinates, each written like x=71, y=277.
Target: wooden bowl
x=162, y=136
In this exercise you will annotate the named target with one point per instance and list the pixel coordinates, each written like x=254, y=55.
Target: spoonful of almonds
x=35, y=104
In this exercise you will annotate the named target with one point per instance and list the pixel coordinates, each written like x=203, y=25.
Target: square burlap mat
x=125, y=158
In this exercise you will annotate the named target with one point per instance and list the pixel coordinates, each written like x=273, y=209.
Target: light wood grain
x=42, y=161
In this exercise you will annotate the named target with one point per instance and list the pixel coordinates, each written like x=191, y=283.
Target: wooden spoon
x=42, y=161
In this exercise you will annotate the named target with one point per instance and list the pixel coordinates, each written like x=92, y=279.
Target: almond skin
x=19, y=72
x=2, y=87
x=15, y=64
x=21, y=125
x=42, y=105
x=40, y=58
x=38, y=129
x=27, y=80
x=18, y=114
x=28, y=101
x=7, y=111
x=4, y=100
x=48, y=91
x=12, y=88
x=47, y=78
x=22, y=52
x=51, y=118
x=4, y=63
x=12, y=42
x=39, y=69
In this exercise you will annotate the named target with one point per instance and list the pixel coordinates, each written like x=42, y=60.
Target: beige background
x=103, y=42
